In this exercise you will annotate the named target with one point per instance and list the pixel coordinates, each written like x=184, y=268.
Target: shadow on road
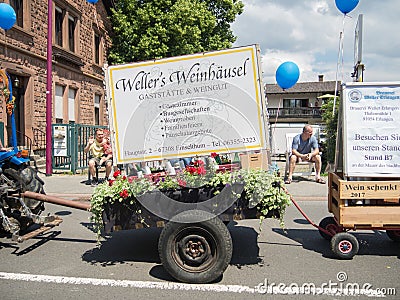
x=141, y=246
x=126, y=246
x=20, y=250
x=371, y=242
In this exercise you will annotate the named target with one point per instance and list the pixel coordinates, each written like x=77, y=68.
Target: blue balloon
x=346, y=6
x=287, y=75
x=7, y=16
x=92, y=1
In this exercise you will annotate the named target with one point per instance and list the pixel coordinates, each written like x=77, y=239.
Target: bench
x=309, y=166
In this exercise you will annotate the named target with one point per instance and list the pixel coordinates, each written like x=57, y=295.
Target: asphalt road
x=66, y=263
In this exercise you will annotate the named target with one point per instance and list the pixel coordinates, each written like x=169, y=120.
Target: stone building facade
x=80, y=32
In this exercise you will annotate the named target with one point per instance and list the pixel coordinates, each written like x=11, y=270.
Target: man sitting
x=305, y=148
x=96, y=148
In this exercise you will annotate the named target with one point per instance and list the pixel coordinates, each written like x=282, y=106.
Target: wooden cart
x=364, y=189
x=371, y=205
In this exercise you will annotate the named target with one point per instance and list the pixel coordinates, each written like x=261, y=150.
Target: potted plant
x=260, y=190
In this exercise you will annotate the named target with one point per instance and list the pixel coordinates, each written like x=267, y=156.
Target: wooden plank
x=335, y=210
x=44, y=228
x=379, y=216
x=335, y=195
x=335, y=178
x=369, y=189
x=392, y=201
x=332, y=191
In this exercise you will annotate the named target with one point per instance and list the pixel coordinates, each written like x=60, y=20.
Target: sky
x=307, y=32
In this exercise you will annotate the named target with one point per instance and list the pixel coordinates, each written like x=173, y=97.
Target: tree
x=330, y=118
x=151, y=29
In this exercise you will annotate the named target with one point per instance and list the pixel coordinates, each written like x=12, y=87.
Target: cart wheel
x=330, y=225
x=344, y=245
x=195, y=247
x=394, y=235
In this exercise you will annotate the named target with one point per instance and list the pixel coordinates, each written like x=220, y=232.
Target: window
x=58, y=24
x=59, y=104
x=97, y=110
x=18, y=7
x=97, y=49
x=290, y=103
x=71, y=33
x=71, y=105
x=66, y=26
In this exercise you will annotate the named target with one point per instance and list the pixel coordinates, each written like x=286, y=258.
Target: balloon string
x=340, y=62
x=342, y=45
x=276, y=117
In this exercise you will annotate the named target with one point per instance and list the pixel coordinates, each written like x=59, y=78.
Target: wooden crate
x=382, y=213
x=254, y=161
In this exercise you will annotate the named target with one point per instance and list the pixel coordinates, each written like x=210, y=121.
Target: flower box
x=130, y=203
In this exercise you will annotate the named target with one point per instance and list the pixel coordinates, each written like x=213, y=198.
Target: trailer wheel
x=344, y=245
x=394, y=235
x=195, y=247
x=330, y=225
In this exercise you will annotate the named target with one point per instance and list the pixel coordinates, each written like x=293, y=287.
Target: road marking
x=185, y=286
x=129, y=283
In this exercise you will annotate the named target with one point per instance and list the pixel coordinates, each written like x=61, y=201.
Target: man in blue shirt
x=305, y=148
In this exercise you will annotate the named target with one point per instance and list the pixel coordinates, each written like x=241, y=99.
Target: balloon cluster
x=7, y=16
x=92, y=1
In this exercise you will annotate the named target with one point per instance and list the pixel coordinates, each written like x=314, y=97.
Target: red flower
x=190, y=169
x=110, y=182
x=197, y=168
x=201, y=171
x=198, y=163
x=124, y=194
x=213, y=154
x=116, y=173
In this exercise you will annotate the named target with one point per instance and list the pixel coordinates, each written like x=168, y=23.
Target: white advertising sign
x=372, y=129
x=186, y=106
x=60, y=140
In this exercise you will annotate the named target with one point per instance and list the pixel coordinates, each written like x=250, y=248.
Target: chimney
x=320, y=78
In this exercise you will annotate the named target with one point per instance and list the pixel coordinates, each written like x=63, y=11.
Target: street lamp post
x=49, y=95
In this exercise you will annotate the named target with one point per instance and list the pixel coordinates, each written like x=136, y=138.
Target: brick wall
x=23, y=53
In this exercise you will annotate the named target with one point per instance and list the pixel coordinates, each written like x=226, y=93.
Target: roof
x=304, y=87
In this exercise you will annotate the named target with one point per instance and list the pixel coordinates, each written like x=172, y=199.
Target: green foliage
x=122, y=189
x=167, y=183
x=260, y=191
x=151, y=29
x=330, y=120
